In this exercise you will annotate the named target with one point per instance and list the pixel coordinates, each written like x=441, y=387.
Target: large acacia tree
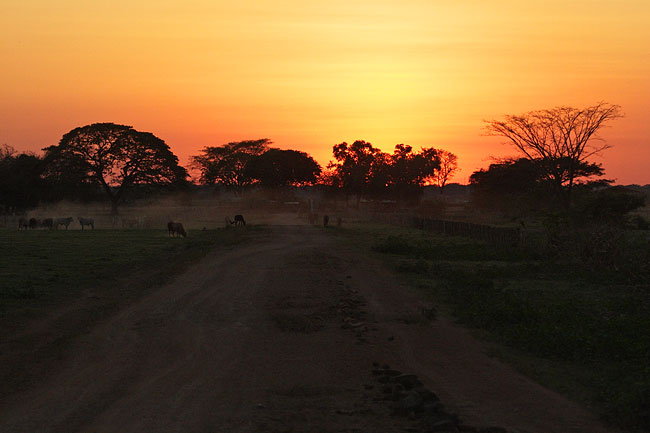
x=118, y=158
x=559, y=140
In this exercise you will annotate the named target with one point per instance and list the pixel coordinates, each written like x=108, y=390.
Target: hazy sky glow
x=310, y=74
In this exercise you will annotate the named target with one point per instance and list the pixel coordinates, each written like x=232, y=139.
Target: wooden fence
x=495, y=235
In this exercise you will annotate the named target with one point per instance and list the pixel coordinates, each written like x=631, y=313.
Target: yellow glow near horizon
x=310, y=74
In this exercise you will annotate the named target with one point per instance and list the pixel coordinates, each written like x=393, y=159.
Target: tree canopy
x=559, y=140
x=226, y=164
x=448, y=166
x=521, y=185
x=117, y=157
x=21, y=183
x=356, y=164
x=362, y=169
x=410, y=170
x=512, y=185
x=277, y=168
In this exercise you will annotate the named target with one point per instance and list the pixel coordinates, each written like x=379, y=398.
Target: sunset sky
x=310, y=74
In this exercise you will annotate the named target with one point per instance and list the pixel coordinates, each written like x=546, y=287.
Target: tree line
x=114, y=162
x=553, y=175
x=106, y=160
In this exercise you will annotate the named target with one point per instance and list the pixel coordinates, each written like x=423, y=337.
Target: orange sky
x=310, y=74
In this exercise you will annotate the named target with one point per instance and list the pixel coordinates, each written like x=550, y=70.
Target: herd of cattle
x=174, y=228
x=53, y=223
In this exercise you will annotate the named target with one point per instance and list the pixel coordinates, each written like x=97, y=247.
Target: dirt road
x=278, y=335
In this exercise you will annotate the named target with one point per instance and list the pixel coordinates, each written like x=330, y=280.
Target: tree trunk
x=114, y=203
x=569, y=191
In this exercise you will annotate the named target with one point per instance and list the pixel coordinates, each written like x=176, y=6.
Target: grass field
x=41, y=270
x=585, y=334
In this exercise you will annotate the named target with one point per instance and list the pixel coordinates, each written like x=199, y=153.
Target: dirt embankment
x=281, y=335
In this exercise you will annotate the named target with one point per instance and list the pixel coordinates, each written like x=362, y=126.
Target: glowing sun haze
x=310, y=74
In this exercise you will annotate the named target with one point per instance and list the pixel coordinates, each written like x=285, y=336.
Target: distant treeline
x=115, y=162
x=552, y=177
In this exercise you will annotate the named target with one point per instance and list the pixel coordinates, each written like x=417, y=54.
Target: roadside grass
x=75, y=279
x=586, y=335
x=40, y=270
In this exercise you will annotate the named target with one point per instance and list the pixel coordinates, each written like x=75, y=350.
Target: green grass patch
x=76, y=279
x=587, y=332
x=40, y=270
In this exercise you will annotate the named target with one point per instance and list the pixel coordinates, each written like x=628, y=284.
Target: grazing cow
x=48, y=223
x=326, y=220
x=86, y=222
x=62, y=222
x=23, y=223
x=34, y=223
x=176, y=228
x=239, y=220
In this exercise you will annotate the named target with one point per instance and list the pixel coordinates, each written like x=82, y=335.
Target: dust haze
x=205, y=210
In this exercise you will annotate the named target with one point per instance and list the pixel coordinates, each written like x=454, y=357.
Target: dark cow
x=34, y=223
x=176, y=229
x=23, y=223
x=86, y=222
x=239, y=220
x=326, y=220
x=48, y=223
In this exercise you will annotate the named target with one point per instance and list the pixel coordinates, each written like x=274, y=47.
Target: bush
x=609, y=205
x=414, y=267
x=640, y=223
x=394, y=245
x=600, y=249
x=581, y=304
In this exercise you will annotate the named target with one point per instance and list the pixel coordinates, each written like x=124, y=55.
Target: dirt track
x=277, y=335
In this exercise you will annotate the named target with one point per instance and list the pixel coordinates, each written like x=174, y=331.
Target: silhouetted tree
x=21, y=184
x=225, y=165
x=356, y=164
x=522, y=185
x=277, y=168
x=411, y=170
x=448, y=166
x=559, y=140
x=118, y=158
x=381, y=176
x=511, y=185
x=68, y=179
x=362, y=169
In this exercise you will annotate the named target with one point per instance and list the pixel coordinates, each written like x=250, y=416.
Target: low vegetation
x=582, y=331
x=45, y=269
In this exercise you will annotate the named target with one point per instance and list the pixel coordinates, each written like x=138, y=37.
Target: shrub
x=415, y=267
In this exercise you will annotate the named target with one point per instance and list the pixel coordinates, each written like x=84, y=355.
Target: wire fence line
x=507, y=236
